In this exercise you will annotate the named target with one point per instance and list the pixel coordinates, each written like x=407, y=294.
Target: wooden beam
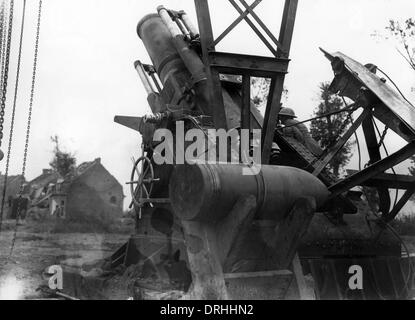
x=339, y=145
x=255, y=29
x=387, y=180
x=374, y=156
x=287, y=27
x=236, y=22
x=373, y=170
x=207, y=275
x=230, y=230
x=271, y=116
x=213, y=83
x=290, y=231
x=238, y=64
x=246, y=103
x=261, y=24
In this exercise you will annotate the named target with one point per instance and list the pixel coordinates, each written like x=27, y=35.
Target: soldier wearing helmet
x=297, y=130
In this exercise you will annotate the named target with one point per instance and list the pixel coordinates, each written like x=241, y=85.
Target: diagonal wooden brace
x=290, y=231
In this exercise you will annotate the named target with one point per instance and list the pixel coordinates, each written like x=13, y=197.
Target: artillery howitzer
x=210, y=228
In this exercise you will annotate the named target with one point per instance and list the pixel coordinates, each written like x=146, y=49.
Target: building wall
x=105, y=185
x=57, y=200
x=94, y=193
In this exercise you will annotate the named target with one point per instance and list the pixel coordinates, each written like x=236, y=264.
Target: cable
x=350, y=108
x=410, y=276
x=29, y=122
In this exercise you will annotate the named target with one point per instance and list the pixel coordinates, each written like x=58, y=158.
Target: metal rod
x=194, y=33
x=182, y=27
x=143, y=76
x=349, y=108
x=165, y=16
x=190, y=58
x=152, y=75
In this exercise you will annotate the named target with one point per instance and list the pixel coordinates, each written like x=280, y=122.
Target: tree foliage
x=403, y=34
x=327, y=130
x=62, y=162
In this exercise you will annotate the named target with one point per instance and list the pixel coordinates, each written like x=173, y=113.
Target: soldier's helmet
x=288, y=112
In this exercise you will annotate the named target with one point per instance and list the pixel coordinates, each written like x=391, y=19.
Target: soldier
x=297, y=130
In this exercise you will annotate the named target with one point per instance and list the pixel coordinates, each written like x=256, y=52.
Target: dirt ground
x=21, y=273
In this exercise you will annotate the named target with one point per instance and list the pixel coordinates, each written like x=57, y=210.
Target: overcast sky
x=86, y=74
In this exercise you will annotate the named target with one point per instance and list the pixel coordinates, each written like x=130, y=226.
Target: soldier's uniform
x=299, y=131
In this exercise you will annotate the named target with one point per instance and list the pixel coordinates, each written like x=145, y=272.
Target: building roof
x=48, y=176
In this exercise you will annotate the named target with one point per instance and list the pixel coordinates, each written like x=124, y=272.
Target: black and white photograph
x=207, y=154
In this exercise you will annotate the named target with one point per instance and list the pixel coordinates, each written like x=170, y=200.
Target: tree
x=62, y=162
x=403, y=33
x=260, y=89
x=327, y=130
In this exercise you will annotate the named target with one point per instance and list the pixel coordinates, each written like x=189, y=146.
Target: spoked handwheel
x=141, y=184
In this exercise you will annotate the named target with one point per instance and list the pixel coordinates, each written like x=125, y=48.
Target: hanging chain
x=6, y=70
x=2, y=17
x=29, y=122
x=3, y=47
x=6, y=174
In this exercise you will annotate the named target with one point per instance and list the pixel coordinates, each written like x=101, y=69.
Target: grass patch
x=84, y=224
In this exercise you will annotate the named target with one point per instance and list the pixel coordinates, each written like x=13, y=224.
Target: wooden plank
x=208, y=281
x=246, y=103
x=232, y=63
x=290, y=231
x=306, y=293
x=231, y=229
x=287, y=27
x=387, y=180
x=373, y=170
x=272, y=273
x=336, y=148
x=271, y=116
x=213, y=83
x=374, y=156
x=401, y=109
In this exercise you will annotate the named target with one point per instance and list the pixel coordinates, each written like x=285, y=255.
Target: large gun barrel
x=209, y=191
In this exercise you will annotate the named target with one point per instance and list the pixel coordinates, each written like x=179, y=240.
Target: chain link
x=3, y=47
x=29, y=122
x=6, y=70
x=6, y=174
